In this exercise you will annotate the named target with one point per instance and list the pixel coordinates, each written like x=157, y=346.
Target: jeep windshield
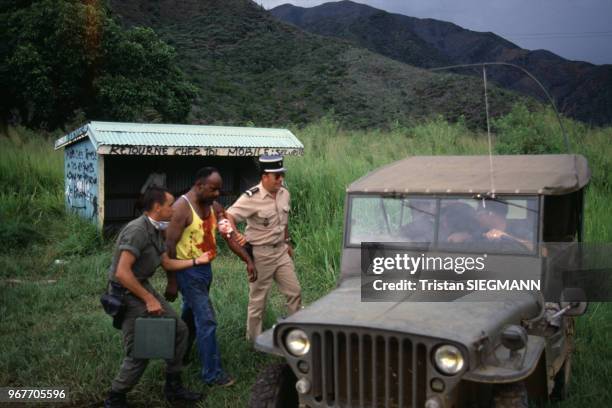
x=502, y=225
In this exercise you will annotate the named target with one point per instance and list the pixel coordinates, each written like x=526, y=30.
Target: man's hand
x=252, y=272
x=290, y=250
x=240, y=239
x=171, y=292
x=231, y=226
x=203, y=259
x=495, y=234
x=153, y=306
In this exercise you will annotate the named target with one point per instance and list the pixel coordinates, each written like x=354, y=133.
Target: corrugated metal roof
x=195, y=140
x=167, y=135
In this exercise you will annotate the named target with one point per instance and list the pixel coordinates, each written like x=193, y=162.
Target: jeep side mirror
x=573, y=302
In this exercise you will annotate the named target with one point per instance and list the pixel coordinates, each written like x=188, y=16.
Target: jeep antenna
x=484, y=78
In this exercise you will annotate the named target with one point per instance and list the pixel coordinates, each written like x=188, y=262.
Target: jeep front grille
x=352, y=369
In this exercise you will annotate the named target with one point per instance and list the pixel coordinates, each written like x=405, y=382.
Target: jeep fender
x=265, y=343
x=502, y=367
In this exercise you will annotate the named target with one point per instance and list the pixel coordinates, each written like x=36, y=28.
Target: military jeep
x=341, y=351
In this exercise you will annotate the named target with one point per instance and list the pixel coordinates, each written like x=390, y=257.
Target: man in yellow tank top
x=192, y=232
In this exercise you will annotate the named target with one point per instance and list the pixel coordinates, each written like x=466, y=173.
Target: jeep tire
x=512, y=395
x=274, y=388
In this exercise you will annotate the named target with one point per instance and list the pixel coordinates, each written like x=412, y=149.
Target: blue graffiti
x=82, y=179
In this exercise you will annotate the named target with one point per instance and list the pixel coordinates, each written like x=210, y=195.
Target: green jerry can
x=154, y=337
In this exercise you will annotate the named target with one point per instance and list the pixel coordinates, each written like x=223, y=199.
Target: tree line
x=64, y=59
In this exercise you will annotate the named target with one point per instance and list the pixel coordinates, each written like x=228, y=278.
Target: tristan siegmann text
x=397, y=272
x=445, y=267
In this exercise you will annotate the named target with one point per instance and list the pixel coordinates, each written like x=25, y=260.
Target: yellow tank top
x=199, y=236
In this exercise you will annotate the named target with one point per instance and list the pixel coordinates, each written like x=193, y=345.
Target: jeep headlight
x=448, y=359
x=297, y=342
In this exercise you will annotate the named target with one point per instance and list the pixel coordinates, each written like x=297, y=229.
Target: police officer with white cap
x=265, y=208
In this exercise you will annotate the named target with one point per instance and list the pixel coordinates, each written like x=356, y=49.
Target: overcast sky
x=573, y=29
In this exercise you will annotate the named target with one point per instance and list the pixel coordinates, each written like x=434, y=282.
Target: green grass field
x=53, y=331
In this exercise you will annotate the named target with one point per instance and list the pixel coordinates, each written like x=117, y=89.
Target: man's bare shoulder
x=181, y=210
x=180, y=202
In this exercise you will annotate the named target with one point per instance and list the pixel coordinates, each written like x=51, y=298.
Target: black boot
x=174, y=390
x=116, y=400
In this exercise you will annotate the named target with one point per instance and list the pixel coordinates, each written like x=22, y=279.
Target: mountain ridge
x=582, y=90
x=251, y=68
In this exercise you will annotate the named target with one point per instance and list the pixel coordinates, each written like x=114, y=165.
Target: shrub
x=528, y=132
x=17, y=234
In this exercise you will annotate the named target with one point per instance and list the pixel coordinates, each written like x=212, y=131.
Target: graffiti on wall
x=81, y=171
x=200, y=151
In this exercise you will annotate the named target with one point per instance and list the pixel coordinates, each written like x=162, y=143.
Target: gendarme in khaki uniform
x=266, y=217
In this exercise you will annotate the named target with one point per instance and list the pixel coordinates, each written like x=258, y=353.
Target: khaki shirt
x=146, y=244
x=266, y=217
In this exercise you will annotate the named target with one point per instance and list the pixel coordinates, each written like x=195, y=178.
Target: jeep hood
x=462, y=321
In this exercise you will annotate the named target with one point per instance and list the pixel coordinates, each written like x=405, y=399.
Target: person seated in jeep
x=492, y=216
x=458, y=224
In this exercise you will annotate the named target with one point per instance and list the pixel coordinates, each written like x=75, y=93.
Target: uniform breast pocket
x=265, y=217
x=284, y=215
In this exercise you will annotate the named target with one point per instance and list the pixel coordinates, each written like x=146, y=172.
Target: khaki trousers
x=272, y=264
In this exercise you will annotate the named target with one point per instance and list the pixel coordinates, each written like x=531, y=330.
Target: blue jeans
x=194, y=284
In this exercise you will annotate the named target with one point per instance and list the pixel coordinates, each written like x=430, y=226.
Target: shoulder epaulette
x=251, y=191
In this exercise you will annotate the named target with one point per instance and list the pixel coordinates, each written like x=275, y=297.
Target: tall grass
x=30, y=178
x=53, y=332
x=334, y=158
x=32, y=216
